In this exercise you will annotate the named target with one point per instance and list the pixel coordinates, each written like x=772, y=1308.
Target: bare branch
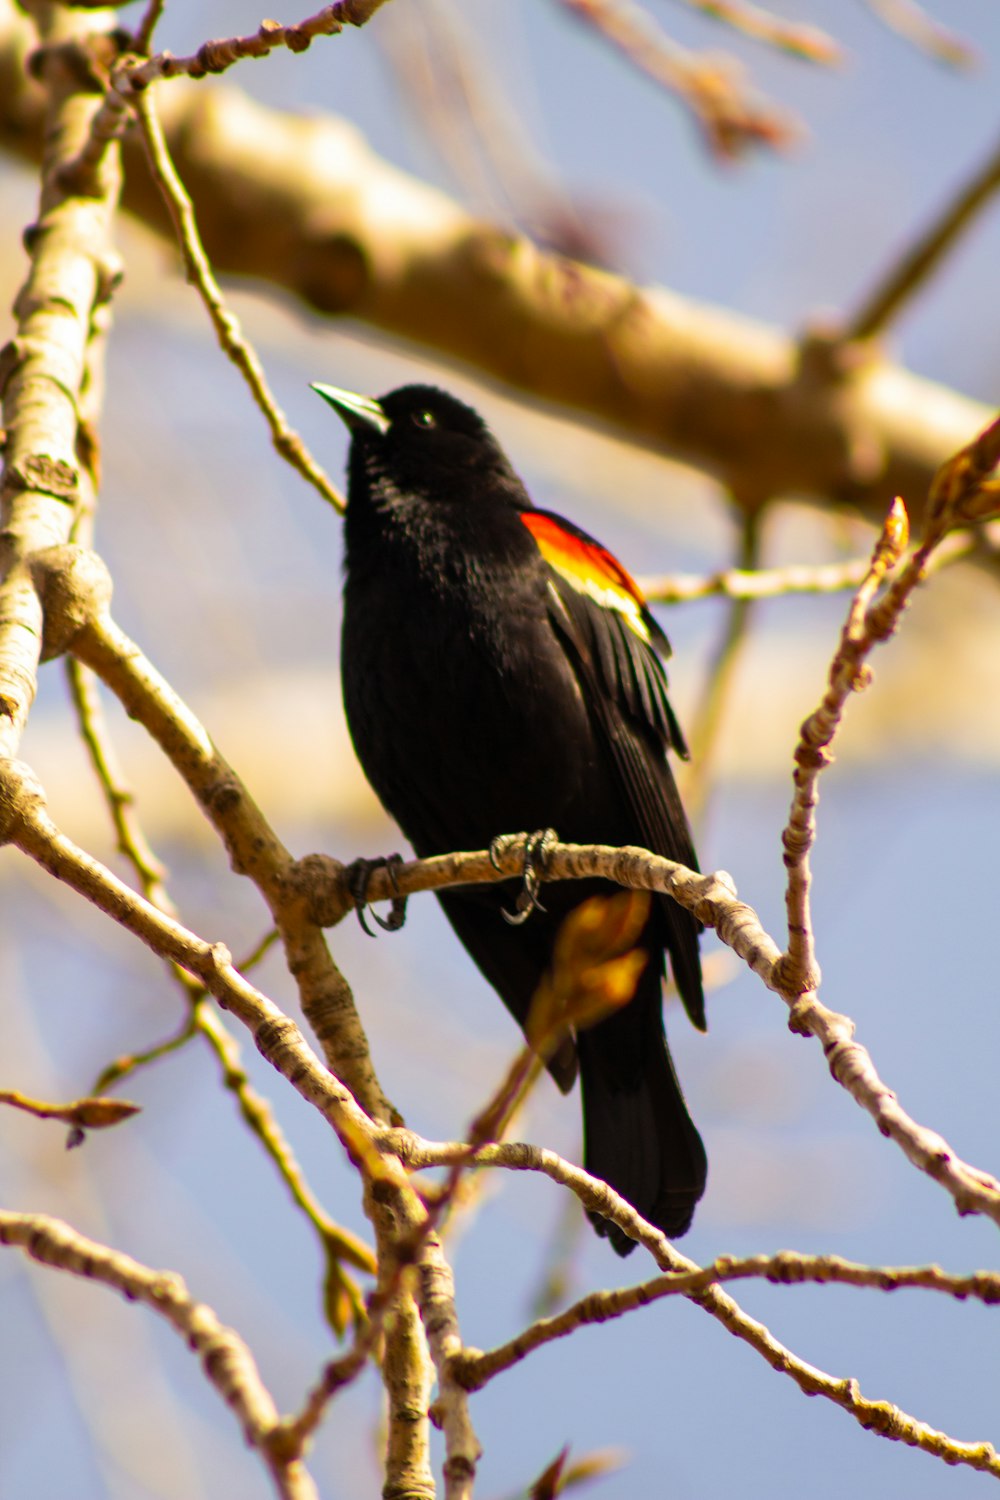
x=474, y=1368
x=302, y=203
x=962, y=492
x=807, y=42
x=217, y=56
x=925, y=255
x=721, y=676
x=226, y=1360
x=710, y=87
x=73, y=271
x=786, y=1268
x=777, y=583
x=848, y=674
x=231, y=339
x=76, y=591
x=92, y=1113
x=911, y=21
x=713, y=900
x=437, y=1308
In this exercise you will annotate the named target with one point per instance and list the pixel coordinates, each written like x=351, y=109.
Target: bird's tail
x=638, y=1135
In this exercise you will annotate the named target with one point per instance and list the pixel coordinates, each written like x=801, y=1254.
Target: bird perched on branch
x=501, y=672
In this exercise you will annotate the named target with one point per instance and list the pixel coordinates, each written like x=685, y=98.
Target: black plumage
x=501, y=673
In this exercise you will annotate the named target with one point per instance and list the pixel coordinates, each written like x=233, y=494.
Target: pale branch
x=337, y=1243
x=91, y=1113
x=785, y=581
x=304, y=204
x=225, y=1358
x=75, y=590
x=923, y=257
x=232, y=341
x=910, y=21
x=436, y=1298
x=721, y=677
x=711, y=87
x=787, y=1267
x=808, y=42
x=407, y=1370
x=879, y=1416
x=73, y=270
x=963, y=490
x=25, y=823
x=713, y=900
x=848, y=674
x=131, y=841
x=394, y=1208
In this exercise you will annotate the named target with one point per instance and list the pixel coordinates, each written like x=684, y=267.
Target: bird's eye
x=424, y=419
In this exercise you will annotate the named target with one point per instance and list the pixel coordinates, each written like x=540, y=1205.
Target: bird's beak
x=356, y=411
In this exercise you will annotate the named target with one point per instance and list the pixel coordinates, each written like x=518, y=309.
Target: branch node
x=74, y=586
x=22, y=798
x=40, y=473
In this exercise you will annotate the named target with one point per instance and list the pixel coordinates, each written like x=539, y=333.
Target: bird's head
x=421, y=442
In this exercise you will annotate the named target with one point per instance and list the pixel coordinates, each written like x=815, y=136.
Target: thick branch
x=305, y=205
x=73, y=270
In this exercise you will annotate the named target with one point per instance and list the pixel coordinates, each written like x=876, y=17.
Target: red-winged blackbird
x=500, y=673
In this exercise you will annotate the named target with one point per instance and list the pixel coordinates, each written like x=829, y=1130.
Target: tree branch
x=475, y=1368
x=226, y=1360
x=304, y=204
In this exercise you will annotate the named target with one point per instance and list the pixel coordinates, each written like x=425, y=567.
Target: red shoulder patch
x=589, y=568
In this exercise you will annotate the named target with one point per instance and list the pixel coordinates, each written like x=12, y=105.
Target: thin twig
x=922, y=258
x=807, y=42
x=218, y=55
x=962, y=492
x=231, y=339
x=782, y=582
x=721, y=677
x=92, y=1113
x=911, y=21
x=713, y=900
x=343, y=1300
x=118, y=795
x=788, y=1268
x=848, y=674
x=710, y=87
x=134, y=73
x=143, y=35
x=880, y=1416
x=225, y=1358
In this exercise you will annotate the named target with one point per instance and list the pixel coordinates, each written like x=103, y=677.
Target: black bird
x=501, y=672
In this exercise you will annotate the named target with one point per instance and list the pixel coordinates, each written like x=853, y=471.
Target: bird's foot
x=536, y=849
x=358, y=876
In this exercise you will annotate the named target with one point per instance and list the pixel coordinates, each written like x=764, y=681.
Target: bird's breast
x=465, y=712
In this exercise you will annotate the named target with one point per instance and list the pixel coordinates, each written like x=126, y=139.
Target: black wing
x=614, y=644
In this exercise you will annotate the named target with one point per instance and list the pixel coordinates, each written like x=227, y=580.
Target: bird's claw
x=536, y=848
x=358, y=875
